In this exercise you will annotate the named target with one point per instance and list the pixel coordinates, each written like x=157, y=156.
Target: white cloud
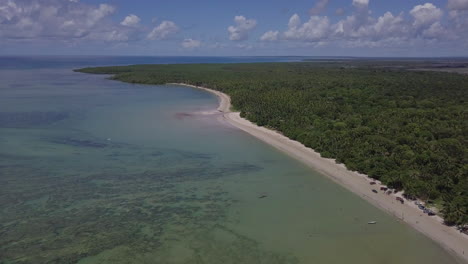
x=317, y=28
x=97, y=14
x=244, y=46
x=361, y=3
x=424, y=25
x=218, y=45
x=130, y=21
x=385, y=26
x=436, y=30
x=163, y=30
x=190, y=43
x=270, y=36
x=340, y=11
x=242, y=28
x=116, y=35
x=54, y=20
x=389, y=25
x=426, y=14
x=459, y=21
x=294, y=21
x=458, y=4
x=320, y=5
x=70, y=21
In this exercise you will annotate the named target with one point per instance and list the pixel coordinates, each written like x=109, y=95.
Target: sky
x=370, y=28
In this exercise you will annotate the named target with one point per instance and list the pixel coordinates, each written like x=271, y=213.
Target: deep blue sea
x=99, y=171
x=63, y=62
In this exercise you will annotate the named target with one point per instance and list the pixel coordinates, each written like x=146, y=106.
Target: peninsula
x=375, y=128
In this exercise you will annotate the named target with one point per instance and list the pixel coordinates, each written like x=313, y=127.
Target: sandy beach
x=432, y=226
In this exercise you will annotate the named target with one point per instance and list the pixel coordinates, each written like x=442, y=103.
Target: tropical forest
x=403, y=127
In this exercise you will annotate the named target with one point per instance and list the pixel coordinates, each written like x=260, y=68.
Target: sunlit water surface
x=98, y=171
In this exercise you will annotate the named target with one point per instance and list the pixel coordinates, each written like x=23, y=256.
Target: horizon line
x=244, y=56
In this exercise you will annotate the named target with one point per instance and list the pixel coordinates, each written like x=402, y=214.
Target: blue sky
x=232, y=28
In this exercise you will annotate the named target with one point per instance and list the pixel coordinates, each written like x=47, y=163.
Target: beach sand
x=432, y=226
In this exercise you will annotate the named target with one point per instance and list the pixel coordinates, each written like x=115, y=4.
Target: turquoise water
x=98, y=171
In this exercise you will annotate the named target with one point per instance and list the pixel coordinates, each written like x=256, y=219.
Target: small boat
x=372, y=222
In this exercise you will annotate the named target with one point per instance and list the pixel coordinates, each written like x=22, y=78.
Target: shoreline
x=448, y=237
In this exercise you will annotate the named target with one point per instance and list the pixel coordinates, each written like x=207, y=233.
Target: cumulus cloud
x=340, y=11
x=436, y=30
x=459, y=18
x=361, y=3
x=316, y=28
x=385, y=26
x=426, y=14
x=458, y=4
x=72, y=21
x=130, y=21
x=114, y=36
x=64, y=20
x=294, y=21
x=52, y=19
x=190, y=43
x=244, y=46
x=163, y=30
x=422, y=23
x=218, y=45
x=320, y=5
x=241, y=30
x=389, y=25
x=270, y=36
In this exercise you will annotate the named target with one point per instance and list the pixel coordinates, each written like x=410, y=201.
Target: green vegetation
x=405, y=128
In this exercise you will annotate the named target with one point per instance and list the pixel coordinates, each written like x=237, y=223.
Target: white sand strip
x=432, y=226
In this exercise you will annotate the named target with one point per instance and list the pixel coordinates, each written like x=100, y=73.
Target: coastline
x=431, y=226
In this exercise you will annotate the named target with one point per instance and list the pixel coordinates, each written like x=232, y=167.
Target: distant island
x=389, y=120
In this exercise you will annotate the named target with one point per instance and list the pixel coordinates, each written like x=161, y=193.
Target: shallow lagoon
x=97, y=171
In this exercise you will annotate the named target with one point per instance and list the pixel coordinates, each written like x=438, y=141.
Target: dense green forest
x=407, y=129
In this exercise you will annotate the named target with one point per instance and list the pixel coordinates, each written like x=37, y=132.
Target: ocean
x=99, y=171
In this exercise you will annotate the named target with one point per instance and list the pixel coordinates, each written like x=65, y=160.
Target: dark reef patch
x=30, y=119
x=83, y=213
x=79, y=142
